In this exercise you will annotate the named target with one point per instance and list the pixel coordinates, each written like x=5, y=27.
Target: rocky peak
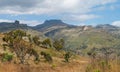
x=16, y=22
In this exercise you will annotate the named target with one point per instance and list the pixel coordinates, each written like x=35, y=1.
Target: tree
x=36, y=40
x=47, y=57
x=7, y=57
x=19, y=46
x=58, y=44
x=67, y=56
x=33, y=52
x=47, y=43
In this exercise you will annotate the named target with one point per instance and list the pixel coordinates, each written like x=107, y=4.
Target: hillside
x=78, y=39
x=33, y=65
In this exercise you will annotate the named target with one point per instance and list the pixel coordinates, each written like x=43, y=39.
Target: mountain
x=7, y=26
x=107, y=27
x=104, y=26
x=50, y=25
x=113, y=30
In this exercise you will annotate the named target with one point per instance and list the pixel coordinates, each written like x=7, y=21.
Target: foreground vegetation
x=23, y=46
x=106, y=61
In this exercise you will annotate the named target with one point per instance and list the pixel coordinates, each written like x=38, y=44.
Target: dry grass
x=57, y=66
x=76, y=64
x=102, y=66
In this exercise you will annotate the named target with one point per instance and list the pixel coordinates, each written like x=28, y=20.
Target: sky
x=76, y=12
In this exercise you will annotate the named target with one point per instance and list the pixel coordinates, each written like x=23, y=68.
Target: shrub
x=47, y=43
x=34, y=53
x=36, y=40
x=67, y=56
x=53, y=65
x=7, y=57
x=58, y=44
x=97, y=70
x=47, y=57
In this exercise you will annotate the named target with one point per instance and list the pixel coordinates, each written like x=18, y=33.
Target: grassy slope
x=58, y=64
x=75, y=38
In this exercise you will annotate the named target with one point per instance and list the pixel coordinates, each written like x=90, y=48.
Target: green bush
x=36, y=40
x=58, y=44
x=47, y=43
x=97, y=70
x=7, y=57
x=67, y=56
x=47, y=57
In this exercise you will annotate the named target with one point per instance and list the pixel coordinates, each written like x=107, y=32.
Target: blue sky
x=76, y=12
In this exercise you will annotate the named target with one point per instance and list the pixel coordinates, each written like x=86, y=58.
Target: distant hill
x=113, y=30
x=7, y=26
x=104, y=26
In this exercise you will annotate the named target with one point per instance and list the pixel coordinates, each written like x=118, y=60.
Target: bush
x=67, y=56
x=97, y=70
x=53, y=65
x=47, y=57
x=36, y=40
x=47, y=43
x=58, y=44
x=7, y=57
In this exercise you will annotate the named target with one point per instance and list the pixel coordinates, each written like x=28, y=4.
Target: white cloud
x=78, y=10
x=83, y=17
x=4, y=20
x=49, y=6
x=30, y=23
x=116, y=23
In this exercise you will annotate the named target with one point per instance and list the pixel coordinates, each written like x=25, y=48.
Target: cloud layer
x=116, y=23
x=77, y=10
x=49, y=6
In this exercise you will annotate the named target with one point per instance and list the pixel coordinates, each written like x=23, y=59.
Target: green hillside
x=78, y=39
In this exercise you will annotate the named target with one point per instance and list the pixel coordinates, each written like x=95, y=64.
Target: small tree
x=47, y=57
x=36, y=40
x=47, y=43
x=67, y=56
x=17, y=44
x=33, y=52
x=7, y=57
x=21, y=48
x=58, y=44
